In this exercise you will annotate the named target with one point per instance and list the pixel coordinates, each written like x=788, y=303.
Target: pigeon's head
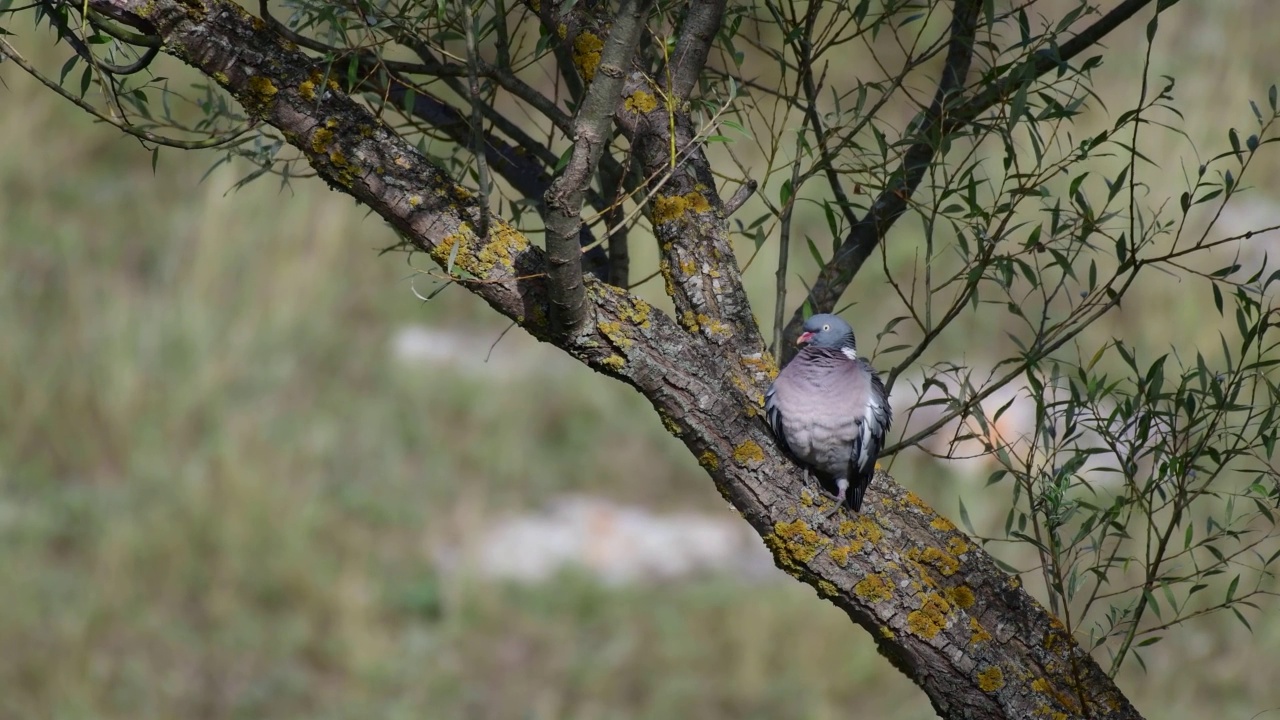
x=828, y=331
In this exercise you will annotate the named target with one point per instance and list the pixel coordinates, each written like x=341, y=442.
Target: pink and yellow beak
x=804, y=338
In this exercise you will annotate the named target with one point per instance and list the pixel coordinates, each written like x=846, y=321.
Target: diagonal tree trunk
x=934, y=602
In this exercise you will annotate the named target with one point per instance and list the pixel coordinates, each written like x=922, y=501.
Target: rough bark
x=936, y=604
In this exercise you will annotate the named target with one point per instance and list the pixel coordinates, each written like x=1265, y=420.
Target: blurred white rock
x=486, y=352
x=1260, y=251
x=967, y=445
x=617, y=544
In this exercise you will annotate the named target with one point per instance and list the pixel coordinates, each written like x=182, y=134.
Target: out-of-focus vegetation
x=220, y=493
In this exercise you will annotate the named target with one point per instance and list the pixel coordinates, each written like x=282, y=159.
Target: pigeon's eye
x=826, y=328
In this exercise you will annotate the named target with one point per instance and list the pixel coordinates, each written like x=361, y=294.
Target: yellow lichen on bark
x=841, y=554
x=961, y=596
x=991, y=679
x=747, y=453
x=640, y=102
x=667, y=208
x=942, y=524
x=931, y=618
x=873, y=588
x=586, y=54
x=259, y=96
x=761, y=364
x=1044, y=687
x=615, y=333
x=935, y=558
x=866, y=529
x=636, y=311
x=505, y=243
x=320, y=140
x=980, y=634
x=709, y=461
x=799, y=540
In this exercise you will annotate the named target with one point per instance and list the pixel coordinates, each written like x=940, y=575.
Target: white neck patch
x=850, y=353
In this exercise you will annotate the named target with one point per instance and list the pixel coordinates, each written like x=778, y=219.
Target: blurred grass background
x=220, y=493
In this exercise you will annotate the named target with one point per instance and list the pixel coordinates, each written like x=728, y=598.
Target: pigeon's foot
x=842, y=487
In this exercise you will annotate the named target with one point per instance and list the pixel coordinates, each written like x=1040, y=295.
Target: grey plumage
x=829, y=409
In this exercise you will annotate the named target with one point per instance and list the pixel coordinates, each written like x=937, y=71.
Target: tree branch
x=688, y=217
x=935, y=603
x=892, y=202
x=563, y=200
x=524, y=165
x=942, y=120
x=697, y=33
x=614, y=183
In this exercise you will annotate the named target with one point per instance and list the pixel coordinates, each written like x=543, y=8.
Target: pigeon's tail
x=858, y=485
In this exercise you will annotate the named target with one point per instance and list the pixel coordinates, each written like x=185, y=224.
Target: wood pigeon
x=829, y=410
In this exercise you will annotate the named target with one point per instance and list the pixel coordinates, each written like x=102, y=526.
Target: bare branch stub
x=563, y=200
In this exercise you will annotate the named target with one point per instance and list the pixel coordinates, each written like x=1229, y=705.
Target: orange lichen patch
x=615, y=333
x=748, y=452
x=698, y=202
x=935, y=558
x=505, y=243
x=260, y=94
x=911, y=498
x=886, y=632
x=841, y=554
x=586, y=54
x=991, y=679
x=1042, y=686
x=640, y=102
x=873, y=588
x=799, y=540
x=689, y=321
x=866, y=529
x=636, y=311
x=942, y=524
x=320, y=140
x=667, y=208
x=714, y=327
x=307, y=88
x=1056, y=640
x=614, y=362
x=931, y=618
x=960, y=596
x=709, y=461
x=957, y=546
x=762, y=364
x=980, y=633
